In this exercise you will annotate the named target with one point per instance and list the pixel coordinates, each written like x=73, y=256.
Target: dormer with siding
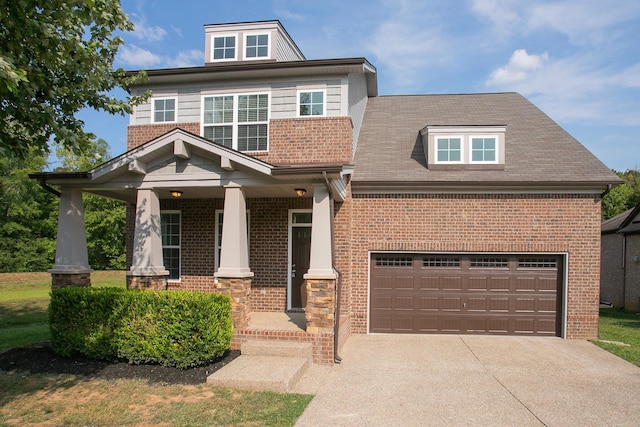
x=258, y=94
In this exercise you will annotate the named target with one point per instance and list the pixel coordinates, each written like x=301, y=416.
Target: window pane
x=316, y=110
x=476, y=156
x=218, y=42
x=454, y=156
x=305, y=97
x=317, y=97
x=454, y=143
x=263, y=40
x=301, y=217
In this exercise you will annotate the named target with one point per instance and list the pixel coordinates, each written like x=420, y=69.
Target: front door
x=300, y=253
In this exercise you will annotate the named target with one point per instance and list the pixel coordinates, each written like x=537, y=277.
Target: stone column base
x=75, y=280
x=239, y=289
x=320, y=309
x=152, y=283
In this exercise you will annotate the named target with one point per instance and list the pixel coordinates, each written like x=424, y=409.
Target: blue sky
x=577, y=60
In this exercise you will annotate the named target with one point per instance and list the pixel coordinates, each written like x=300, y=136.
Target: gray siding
x=284, y=51
x=283, y=99
x=357, y=104
x=611, y=269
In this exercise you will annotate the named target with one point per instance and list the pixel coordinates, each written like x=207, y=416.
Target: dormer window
x=224, y=48
x=464, y=147
x=256, y=46
x=449, y=150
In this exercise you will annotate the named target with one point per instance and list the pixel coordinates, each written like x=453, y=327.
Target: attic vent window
x=464, y=147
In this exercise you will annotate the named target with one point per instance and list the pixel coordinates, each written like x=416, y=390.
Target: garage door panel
x=506, y=294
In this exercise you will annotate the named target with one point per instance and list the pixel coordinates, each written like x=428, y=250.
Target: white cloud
x=409, y=41
x=501, y=13
x=148, y=33
x=135, y=56
x=188, y=58
x=520, y=65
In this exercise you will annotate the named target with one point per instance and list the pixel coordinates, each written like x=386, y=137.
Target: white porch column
x=147, y=240
x=71, y=243
x=234, y=254
x=321, y=262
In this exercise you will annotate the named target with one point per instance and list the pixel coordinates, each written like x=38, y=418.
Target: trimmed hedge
x=176, y=328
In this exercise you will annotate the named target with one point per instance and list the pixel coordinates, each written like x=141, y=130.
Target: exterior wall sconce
x=300, y=192
x=175, y=193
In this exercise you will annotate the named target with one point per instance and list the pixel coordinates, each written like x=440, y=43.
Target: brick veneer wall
x=139, y=134
x=309, y=140
x=268, y=252
x=483, y=223
x=292, y=141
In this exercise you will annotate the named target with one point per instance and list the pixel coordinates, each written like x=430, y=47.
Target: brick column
x=320, y=310
x=239, y=289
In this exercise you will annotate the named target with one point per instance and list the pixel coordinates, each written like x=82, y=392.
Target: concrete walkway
x=437, y=380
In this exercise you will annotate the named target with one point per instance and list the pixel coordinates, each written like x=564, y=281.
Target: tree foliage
x=624, y=196
x=104, y=218
x=56, y=58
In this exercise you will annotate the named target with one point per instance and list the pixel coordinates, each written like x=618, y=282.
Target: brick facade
x=80, y=280
x=139, y=134
x=483, y=223
x=309, y=140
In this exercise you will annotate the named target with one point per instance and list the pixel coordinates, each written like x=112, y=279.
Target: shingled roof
x=537, y=152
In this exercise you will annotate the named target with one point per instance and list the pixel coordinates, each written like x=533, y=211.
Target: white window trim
x=463, y=151
x=221, y=35
x=179, y=247
x=164, y=98
x=496, y=139
x=218, y=236
x=235, y=123
x=244, y=46
x=324, y=102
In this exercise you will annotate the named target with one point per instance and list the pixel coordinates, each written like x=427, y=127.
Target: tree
x=104, y=218
x=56, y=58
x=27, y=216
x=624, y=196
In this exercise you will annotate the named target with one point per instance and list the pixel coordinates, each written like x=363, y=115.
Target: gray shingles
x=537, y=149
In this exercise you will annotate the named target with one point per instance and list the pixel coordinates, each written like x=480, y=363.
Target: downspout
x=606, y=190
x=336, y=323
x=43, y=184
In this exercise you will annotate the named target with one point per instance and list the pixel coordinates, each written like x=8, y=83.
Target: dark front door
x=300, y=254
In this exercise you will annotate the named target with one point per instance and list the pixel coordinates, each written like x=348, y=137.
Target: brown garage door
x=465, y=294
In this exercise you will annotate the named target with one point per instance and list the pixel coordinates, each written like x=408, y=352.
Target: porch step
x=276, y=348
x=266, y=373
x=265, y=365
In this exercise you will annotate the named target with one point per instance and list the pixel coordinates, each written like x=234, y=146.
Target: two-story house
x=292, y=186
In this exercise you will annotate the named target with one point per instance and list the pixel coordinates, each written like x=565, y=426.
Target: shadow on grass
x=23, y=312
x=618, y=316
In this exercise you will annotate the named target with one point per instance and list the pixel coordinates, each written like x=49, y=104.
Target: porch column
x=321, y=277
x=71, y=268
x=147, y=268
x=234, y=275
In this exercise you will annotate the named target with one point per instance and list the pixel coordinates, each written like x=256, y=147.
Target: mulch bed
x=40, y=358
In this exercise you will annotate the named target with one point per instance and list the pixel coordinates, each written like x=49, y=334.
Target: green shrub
x=82, y=321
x=178, y=328
x=181, y=329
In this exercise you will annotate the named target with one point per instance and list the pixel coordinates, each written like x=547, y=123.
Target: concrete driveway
x=435, y=380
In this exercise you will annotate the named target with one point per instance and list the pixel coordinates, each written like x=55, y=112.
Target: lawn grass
x=24, y=299
x=622, y=328
x=54, y=400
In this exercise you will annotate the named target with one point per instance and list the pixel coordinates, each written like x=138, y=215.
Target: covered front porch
x=207, y=218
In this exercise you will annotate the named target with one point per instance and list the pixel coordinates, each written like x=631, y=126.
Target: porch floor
x=277, y=321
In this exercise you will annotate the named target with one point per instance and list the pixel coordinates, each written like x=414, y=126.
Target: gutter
x=336, y=325
x=43, y=184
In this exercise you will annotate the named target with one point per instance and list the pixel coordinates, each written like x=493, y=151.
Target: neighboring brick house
x=397, y=214
x=620, y=260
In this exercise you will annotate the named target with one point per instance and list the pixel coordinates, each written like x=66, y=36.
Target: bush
x=177, y=328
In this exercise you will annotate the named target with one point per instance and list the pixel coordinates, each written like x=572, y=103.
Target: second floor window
x=257, y=46
x=240, y=122
x=311, y=103
x=164, y=110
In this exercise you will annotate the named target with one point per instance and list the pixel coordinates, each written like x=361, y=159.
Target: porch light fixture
x=176, y=193
x=300, y=191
